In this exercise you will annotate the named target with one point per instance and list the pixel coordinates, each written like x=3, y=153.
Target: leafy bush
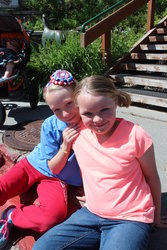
x=70, y=56
x=160, y=8
x=35, y=24
x=68, y=14
x=127, y=33
x=79, y=61
x=122, y=41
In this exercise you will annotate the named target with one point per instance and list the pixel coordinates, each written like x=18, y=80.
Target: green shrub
x=68, y=14
x=70, y=56
x=122, y=40
x=83, y=61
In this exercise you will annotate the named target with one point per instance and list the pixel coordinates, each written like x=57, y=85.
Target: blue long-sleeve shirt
x=51, y=139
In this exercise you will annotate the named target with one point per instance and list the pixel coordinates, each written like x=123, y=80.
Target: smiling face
x=98, y=113
x=61, y=103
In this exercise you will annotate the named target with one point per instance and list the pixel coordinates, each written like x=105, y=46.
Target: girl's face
x=98, y=113
x=61, y=103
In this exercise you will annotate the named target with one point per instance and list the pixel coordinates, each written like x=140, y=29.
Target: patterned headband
x=61, y=77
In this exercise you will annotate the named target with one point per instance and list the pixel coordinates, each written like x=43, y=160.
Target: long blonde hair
x=102, y=85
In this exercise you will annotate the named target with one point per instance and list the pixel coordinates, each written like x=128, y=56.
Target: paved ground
x=20, y=111
x=154, y=122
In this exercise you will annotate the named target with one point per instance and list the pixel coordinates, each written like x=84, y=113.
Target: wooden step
x=149, y=56
x=161, y=30
x=153, y=47
x=143, y=71
x=142, y=80
x=144, y=67
x=147, y=97
x=157, y=38
x=156, y=101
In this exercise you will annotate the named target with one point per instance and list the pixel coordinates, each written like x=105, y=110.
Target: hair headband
x=61, y=77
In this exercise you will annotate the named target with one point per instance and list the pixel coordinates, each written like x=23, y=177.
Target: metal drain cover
x=23, y=136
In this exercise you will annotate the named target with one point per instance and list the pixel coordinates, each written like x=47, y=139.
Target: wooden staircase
x=143, y=71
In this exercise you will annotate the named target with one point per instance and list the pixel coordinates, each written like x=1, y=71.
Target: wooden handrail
x=103, y=28
x=101, y=14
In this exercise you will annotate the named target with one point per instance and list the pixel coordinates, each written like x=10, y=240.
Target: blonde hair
x=104, y=86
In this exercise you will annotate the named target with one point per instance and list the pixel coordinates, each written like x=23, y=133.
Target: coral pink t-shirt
x=113, y=180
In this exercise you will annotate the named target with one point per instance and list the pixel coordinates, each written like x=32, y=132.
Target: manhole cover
x=23, y=136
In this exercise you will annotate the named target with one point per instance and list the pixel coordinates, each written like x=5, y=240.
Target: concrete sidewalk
x=154, y=122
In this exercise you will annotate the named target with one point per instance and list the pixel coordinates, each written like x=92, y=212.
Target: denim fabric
x=84, y=230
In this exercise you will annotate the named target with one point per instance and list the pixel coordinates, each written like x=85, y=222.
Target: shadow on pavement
x=22, y=114
x=18, y=114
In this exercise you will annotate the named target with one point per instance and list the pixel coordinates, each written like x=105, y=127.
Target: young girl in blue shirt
x=57, y=133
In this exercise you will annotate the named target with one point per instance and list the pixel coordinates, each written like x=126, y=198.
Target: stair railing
x=103, y=28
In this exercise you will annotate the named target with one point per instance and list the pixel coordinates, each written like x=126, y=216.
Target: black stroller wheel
x=2, y=114
x=33, y=95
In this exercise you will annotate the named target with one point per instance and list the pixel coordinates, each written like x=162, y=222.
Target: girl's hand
x=81, y=198
x=161, y=223
x=69, y=134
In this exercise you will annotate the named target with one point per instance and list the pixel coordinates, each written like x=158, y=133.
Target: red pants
x=52, y=207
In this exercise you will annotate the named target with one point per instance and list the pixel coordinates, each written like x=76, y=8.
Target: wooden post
x=150, y=16
x=106, y=47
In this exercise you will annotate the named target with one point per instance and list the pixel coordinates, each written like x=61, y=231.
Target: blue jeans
x=85, y=230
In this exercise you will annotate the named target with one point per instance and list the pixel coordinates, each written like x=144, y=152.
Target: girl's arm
x=148, y=165
x=57, y=163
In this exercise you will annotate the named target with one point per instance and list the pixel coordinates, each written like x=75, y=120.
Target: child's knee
x=50, y=220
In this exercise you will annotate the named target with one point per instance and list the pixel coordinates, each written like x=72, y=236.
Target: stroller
x=10, y=28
